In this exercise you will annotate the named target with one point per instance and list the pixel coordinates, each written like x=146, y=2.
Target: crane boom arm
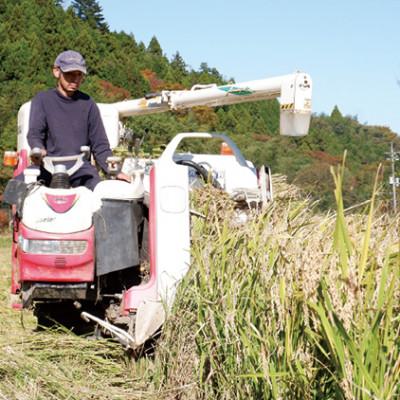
x=294, y=91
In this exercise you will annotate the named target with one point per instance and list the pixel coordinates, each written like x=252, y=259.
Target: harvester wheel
x=65, y=314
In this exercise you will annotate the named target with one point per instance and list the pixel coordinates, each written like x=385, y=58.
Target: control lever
x=36, y=156
x=86, y=151
x=114, y=164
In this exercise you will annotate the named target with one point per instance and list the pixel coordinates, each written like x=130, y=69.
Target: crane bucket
x=295, y=108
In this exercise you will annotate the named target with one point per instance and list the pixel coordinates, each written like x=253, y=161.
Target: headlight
x=52, y=246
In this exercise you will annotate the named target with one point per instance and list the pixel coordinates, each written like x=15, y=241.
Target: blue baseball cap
x=70, y=60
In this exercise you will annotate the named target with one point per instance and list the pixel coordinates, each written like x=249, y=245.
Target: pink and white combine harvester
x=78, y=253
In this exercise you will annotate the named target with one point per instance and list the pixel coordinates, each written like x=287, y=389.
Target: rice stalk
x=291, y=305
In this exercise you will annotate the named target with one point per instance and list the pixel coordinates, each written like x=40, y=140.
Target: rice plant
x=290, y=305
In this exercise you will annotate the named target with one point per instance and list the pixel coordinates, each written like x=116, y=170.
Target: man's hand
x=37, y=155
x=123, y=177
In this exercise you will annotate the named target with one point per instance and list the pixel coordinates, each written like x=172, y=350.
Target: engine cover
x=59, y=210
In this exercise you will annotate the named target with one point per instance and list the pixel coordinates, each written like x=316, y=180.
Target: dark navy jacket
x=62, y=125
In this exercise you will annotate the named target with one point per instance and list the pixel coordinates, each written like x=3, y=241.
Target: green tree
x=155, y=60
x=90, y=11
x=178, y=68
x=154, y=47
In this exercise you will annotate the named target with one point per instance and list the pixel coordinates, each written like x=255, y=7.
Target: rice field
x=291, y=305
x=57, y=364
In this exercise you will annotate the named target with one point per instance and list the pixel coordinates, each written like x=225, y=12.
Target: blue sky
x=350, y=48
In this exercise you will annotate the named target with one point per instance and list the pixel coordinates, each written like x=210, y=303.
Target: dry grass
x=57, y=364
x=291, y=305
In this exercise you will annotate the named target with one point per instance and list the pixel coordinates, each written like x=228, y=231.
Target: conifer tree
x=155, y=59
x=179, y=65
x=154, y=47
x=336, y=114
x=90, y=11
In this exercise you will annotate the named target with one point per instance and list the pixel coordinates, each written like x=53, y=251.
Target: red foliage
x=155, y=83
x=113, y=93
x=325, y=157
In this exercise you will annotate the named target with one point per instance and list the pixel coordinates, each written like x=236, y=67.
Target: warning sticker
x=288, y=106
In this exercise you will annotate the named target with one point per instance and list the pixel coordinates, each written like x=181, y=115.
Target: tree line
x=33, y=32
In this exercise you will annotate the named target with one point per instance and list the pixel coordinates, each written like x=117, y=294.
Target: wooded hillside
x=33, y=32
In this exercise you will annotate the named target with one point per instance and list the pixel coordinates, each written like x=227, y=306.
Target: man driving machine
x=63, y=119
